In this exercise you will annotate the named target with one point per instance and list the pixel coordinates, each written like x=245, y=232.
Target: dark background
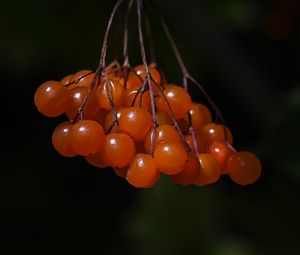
x=245, y=53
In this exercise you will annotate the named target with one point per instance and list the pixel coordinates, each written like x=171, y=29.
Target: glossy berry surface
x=210, y=171
x=190, y=172
x=213, y=133
x=60, y=139
x=119, y=149
x=50, y=99
x=136, y=122
x=200, y=116
x=142, y=172
x=244, y=168
x=97, y=160
x=137, y=98
x=87, y=137
x=179, y=100
x=170, y=157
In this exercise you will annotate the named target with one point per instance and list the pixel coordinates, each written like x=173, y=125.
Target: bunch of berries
x=132, y=120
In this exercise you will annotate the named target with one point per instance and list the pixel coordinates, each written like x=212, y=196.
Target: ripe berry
x=97, y=160
x=212, y=133
x=138, y=75
x=190, y=172
x=243, y=168
x=111, y=91
x=170, y=157
x=87, y=137
x=179, y=100
x=136, y=122
x=66, y=80
x=200, y=115
x=84, y=78
x=110, y=118
x=199, y=141
x=50, y=98
x=60, y=139
x=163, y=118
x=119, y=149
x=134, y=100
x=121, y=172
x=221, y=152
x=163, y=133
x=142, y=172
x=210, y=171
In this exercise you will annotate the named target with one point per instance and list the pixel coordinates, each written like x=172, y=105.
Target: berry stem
x=148, y=75
x=125, y=50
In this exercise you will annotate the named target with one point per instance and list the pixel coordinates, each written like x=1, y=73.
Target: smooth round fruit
x=76, y=99
x=190, y=142
x=84, y=78
x=110, y=118
x=66, y=80
x=210, y=171
x=170, y=157
x=221, y=152
x=244, y=168
x=164, y=118
x=111, y=91
x=190, y=172
x=213, y=133
x=136, y=122
x=142, y=172
x=200, y=116
x=163, y=133
x=87, y=137
x=136, y=98
x=97, y=160
x=138, y=75
x=119, y=149
x=121, y=172
x=60, y=139
x=179, y=100
x=50, y=98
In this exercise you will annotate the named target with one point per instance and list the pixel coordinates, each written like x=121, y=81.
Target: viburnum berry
x=82, y=78
x=163, y=118
x=163, y=133
x=221, y=152
x=191, y=143
x=210, y=171
x=97, y=160
x=200, y=116
x=66, y=80
x=119, y=149
x=61, y=138
x=190, y=171
x=121, y=172
x=50, y=98
x=142, y=172
x=110, y=119
x=111, y=92
x=243, y=168
x=87, y=137
x=178, y=98
x=135, y=97
x=170, y=157
x=136, y=122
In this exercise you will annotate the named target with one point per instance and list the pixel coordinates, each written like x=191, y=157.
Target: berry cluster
x=133, y=120
x=112, y=126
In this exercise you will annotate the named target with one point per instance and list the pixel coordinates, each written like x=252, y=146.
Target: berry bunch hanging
x=132, y=120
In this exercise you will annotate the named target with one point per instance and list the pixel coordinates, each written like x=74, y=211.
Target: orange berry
x=164, y=133
x=210, y=171
x=200, y=115
x=60, y=139
x=190, y=142
x=110, y=118
x=243, y=168
x=121, y=172
x=138, y=75
x=87, y=137
x=50, y=98
x=97, y=160
x=76, y=98
x=190, y=172
x=66, y=80
x=119, y=149
x=221, y=152
x=136, y=122
x=111, y=90
x=133, y=97
x=170, y=157
x=163, y=118
x=179, y=100
x=84, y=78
x=142, y=172
x=212, y=133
